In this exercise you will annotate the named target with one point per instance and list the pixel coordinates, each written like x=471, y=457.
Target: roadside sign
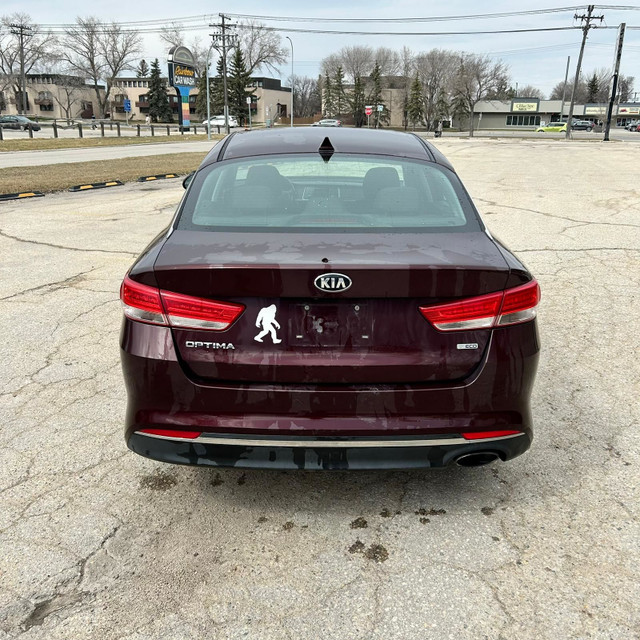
x=127, y=105
x=248, y=99
x=380, y=107
x=368, y=110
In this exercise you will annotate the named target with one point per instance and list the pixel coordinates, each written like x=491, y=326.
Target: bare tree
x=39, y=49
x=100, y=52
x=437, y=72
x=477, y=76
x=529, y=91
x=69, y=92
x=581, y=91
x=388, y=60
x=625, y=88
x=173, y=35
x=261, y=47
x=307, y=100
x=356, y=61
x=330, y=64
x=407, y=71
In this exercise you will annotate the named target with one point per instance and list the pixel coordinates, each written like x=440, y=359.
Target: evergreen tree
x=239, y=80
x=157, y=97
x=217, y=91
x=415, y=107
x=357, y=102
x=328, y=100
x=338, y=91
x=375, y=96
x=593, y=88
x=143, y=69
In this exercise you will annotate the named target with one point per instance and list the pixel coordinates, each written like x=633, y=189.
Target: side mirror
x=188, y=178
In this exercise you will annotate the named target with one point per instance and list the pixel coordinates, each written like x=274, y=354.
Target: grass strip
x=43, y=144
x=59, y=177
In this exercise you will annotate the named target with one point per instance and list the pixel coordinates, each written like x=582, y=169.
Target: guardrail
x=109, y=128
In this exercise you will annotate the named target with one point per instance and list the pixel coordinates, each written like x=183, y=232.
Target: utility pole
x=19, y=30
x=292, y=82
x=587, y=20
x=614, y=87
x=564, y=88
x=226, y=41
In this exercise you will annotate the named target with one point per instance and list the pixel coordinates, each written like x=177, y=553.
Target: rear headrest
x=262, y=174
x=252, y=197
x=397, y=200
x=267, y=175
x=379, y=178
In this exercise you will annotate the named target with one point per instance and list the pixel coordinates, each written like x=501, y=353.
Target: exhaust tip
x=477, y=459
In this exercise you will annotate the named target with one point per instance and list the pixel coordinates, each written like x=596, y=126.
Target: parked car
x=18, y=122
x=218, y=121
x=552, y=126
x=328, y=300
x=327, y=122
x=632, y=126
x=582, y=125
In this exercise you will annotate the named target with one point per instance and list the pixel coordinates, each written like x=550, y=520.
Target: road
x=96, y=542
x=37, y=158
x=41, y=158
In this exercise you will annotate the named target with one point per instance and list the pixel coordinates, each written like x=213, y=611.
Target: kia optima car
x=328, y=300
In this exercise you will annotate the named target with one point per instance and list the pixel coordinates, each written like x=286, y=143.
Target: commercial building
x=67, y=97
x=51, y=95
x=529, y=113
x=270, y=100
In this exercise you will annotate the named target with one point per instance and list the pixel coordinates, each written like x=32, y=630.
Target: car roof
x=285, y=140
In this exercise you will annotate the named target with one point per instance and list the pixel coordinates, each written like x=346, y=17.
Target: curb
x=17, y=196
x=162, y=176
x=97, y=185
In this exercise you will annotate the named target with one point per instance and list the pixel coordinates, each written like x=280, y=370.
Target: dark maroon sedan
x=328, y=300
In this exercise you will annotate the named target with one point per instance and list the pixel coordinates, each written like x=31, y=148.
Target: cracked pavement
x=96, y=542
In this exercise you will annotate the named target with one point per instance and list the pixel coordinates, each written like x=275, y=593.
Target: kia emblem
x=332, y=282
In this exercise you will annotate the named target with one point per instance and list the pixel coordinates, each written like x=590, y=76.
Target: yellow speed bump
x=23, y=194
x=162, y=176
x=97, y=185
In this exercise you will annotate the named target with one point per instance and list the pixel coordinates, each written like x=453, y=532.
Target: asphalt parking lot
x=96, y=542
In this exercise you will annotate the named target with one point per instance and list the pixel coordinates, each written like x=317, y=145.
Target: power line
x=246, y=16
x=413, y=33
x=477, y=16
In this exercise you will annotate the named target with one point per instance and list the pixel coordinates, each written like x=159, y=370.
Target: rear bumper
x=265, y=419
x=302, y=453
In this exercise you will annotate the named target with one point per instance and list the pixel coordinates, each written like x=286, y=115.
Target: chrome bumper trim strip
x=274, y=441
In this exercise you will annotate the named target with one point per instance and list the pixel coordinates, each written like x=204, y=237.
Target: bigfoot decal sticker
x=267, y=321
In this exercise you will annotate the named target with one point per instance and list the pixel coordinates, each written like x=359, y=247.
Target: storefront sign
x=182, y=76
x=521, y=105
x=594, y=109
x=624, y=110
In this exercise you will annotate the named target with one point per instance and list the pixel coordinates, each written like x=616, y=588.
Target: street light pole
x=291, y=42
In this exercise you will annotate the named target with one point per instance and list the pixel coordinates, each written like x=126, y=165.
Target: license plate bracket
x=329, y=324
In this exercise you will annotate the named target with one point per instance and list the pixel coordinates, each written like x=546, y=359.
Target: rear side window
x=348, y=193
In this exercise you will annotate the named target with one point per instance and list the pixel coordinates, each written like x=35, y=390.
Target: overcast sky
x=533, y=58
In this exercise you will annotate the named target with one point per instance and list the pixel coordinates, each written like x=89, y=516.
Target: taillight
x=148, y=304
x=481, y=435
x=188, y=312
x=141, y=302
x=520, y=304
x=172, y=433
x=512, y=306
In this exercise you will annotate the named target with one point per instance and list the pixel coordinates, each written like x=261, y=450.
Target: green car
x=552, y=126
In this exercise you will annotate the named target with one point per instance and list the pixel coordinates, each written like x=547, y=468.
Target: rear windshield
x=347, y=193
